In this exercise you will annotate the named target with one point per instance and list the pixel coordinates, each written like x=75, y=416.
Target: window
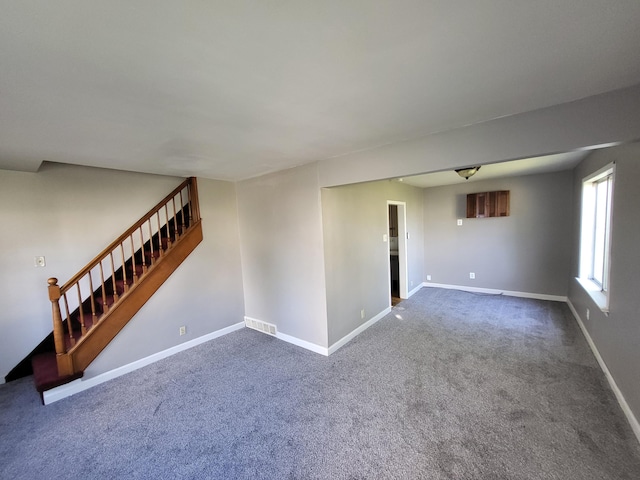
x=597, y=198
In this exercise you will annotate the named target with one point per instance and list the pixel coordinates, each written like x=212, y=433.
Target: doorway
x=397, y=231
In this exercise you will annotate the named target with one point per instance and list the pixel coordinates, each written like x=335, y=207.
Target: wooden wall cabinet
x=488, y=204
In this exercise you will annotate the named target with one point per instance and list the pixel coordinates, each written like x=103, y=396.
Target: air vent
x=261, y=326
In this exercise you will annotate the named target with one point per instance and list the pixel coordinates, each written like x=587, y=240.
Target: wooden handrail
x=63, y=344
x=188, y=182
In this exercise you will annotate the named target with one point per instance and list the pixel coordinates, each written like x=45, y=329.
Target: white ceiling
x=234, y=89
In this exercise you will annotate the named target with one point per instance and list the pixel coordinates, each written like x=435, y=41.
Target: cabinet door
x=492, y=203
x=471, y=205
x=502, y=203
x=481, y=205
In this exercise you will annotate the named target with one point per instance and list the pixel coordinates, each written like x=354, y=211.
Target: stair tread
x=45, y=372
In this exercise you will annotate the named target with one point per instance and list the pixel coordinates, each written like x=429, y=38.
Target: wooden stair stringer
x=78, y=358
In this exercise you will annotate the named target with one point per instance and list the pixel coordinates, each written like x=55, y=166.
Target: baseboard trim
x=82, y=384
x=415, y=290
x=350, y=336
x=303, y=343
x=631, y=418
x=344, y=340
x=286, y=338
x=493, y=291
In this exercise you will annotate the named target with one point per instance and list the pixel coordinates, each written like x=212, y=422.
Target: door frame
x=402, y=249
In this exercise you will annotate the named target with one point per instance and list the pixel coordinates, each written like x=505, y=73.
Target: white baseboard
x=415, y=290
x=350, y=336
x=286, y=338
x=631, y=418
x=82, y=384
x=328, y=351
x=493, y=291
x=303, y=343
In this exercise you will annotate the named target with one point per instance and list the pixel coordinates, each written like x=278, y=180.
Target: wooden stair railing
x=95, y=304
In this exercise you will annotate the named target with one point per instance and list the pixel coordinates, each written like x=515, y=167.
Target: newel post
x=58, y=328
x=65, y=364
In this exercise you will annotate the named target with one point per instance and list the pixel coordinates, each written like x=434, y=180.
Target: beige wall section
x=204, y=293
x=528, y=251
x=282, y=252
x=356, y=258
x=610, y=117
x=617, y=335
x=69, y=214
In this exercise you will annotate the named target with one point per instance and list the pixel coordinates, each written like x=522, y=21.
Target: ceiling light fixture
x=467, y=172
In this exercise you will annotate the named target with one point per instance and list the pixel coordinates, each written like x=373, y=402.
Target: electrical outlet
x=411, y=283
x=362, y=313
x=39, y=261
x=183, y=330
x=587, y=314
x=459, y=222
x=472, y=276
x=428, y=278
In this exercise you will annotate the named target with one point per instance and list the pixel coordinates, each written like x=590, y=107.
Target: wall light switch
x=39, y=262
x=384, y=237
x=459, y=222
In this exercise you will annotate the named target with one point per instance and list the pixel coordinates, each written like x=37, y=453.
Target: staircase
x=95, y=304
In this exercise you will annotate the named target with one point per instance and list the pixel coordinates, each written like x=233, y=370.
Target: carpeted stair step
x=45, y=373
x=139, y=271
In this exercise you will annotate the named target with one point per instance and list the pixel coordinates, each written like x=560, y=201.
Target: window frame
x=595, y=235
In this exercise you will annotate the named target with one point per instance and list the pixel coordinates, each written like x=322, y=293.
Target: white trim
x=493, y=291
x=303, y=343
x=290, y=339
x=403, y=248
x=588, y=209
x=350, y=336
x=631, y=418
x=415, y=290
x=596, y=294
x=82, y=384
x=600, y=173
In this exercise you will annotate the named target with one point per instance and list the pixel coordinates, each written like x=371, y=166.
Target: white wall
x=69, y=214
x=356, y=258
x=617, y=335
x=282, y=252
x=528, y=251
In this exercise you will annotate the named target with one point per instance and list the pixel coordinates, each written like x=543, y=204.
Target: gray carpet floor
x=450, y=385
